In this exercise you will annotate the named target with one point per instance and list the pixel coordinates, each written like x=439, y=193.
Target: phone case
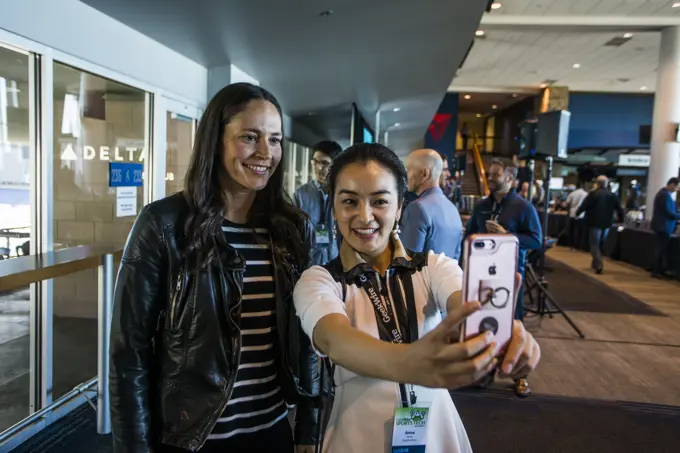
x=489, y=277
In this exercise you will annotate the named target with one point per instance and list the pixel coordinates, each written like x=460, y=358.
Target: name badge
x=322, y=235
x=410, y=429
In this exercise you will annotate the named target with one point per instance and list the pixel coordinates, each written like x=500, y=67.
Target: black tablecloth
x=638, y=247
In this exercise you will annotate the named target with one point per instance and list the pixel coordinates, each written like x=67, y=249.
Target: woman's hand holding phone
x=438, y=360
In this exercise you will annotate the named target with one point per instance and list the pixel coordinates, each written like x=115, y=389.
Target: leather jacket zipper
x=238, y=277
x=176, y=297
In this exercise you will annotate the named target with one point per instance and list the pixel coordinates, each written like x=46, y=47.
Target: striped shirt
x=256, y=402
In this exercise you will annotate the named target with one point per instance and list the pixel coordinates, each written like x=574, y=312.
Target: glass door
x=177, y=122
x=15, y=227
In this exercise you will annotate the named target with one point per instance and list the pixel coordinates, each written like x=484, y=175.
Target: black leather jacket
x=172, y=375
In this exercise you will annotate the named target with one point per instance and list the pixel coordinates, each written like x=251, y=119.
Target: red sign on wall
x=438, y=126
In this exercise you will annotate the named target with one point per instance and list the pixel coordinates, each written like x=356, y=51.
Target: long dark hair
x=204, y=193
x=364, y=153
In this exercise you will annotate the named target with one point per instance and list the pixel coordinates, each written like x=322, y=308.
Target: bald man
x=431, y=221
x=599, y=207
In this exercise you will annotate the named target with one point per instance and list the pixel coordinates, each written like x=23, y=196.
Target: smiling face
x=252, y=145
x=366, y=206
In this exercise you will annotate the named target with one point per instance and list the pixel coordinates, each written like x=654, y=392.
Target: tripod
x=534, y=274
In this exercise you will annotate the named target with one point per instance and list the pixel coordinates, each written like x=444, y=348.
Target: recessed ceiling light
x=497, y=5
x=479, y=115
x=479, y=33
x=467, y=96
x=494, y=106
x=576, y=65
x=643, y=88
x=397, y=124
x=628, y=35
x=676, y=5
x=396, y=109
x=543, y=85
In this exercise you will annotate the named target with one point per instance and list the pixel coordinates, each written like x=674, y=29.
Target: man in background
x=574, y=201
x=431, y=221
x=313, y=199
x=664, y=220
x=599, y=207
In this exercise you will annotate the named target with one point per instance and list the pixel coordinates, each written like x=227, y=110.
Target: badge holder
x=409, y=433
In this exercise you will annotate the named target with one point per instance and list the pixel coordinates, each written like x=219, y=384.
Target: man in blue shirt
x=313, y=199
x=506, y=212
x=431, y=221
x=664, y=221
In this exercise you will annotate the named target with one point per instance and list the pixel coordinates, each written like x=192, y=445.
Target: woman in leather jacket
x=206, y=352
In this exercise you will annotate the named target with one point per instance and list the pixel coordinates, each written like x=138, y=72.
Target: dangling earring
x=396, y=230
x=335, y=230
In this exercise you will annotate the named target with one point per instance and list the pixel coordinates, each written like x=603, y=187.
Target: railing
x=479, y=164
x=19, y=272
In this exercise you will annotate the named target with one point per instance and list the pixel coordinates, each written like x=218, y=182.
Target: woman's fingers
x=516, y=347
x=449, y=326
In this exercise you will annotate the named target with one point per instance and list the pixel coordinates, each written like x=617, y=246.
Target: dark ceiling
x=376, y=53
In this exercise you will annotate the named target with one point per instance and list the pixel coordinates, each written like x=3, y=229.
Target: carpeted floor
x=575, y=291
x=497, y=422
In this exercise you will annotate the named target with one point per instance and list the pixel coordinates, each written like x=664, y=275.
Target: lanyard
x=396, y=325
x=496, y=211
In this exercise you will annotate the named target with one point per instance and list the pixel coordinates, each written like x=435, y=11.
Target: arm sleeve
x=316, y=295
x=446, y=277
x=414, y=228
x=531, y=236
x=306, y=415
x=297, y=200
x=669, y=209
x=138, y=299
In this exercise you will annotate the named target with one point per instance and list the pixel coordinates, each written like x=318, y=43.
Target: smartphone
x=489, y=277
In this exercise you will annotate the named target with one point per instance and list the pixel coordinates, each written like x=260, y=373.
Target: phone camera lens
x=479, y=245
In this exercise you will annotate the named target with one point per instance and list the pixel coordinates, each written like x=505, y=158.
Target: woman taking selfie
x=206, y=353
x=366, y=309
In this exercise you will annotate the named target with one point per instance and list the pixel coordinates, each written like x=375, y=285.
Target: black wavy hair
x=272, y=208
x=364, y=153
x=328, y=147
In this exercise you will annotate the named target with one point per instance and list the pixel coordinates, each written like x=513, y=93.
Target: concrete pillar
x=665, y=150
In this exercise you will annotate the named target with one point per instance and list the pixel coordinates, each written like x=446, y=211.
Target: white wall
x=79, y=30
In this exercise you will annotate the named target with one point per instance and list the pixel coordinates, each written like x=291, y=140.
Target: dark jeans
x=663, y=243
x=596, y=241
x=277, y=439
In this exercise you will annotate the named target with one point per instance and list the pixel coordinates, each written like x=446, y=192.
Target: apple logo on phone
x=492, y=269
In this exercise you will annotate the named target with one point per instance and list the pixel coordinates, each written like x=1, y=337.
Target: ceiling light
x=576, y=65
x=514, y=95
x=479, y=33
x=543, y=85
x=628, y=35
x=396, y=109
x=675, y=5
x=467, y=96
x=397, y=124
x=479, y=115
x=497, y=5
x=494, y=106
x=643, y=88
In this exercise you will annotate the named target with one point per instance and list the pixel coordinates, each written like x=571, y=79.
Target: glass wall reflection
x=15, y=220
x=96, y=122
